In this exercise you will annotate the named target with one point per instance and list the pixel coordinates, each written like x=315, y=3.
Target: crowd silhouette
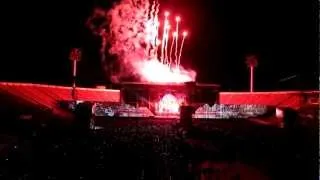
x=148, y=149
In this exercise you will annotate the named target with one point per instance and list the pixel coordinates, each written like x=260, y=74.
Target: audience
x=149, y=149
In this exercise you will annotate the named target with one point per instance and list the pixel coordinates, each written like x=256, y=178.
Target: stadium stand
x=152, y=149
x=48, y=95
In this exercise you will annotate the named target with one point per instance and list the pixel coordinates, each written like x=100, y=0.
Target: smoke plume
x=128, y=20
x=133, y=37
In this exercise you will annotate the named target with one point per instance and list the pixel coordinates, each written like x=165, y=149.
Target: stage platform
x=154, y=95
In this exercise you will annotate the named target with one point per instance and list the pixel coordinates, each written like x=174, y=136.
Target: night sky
x=37, y=37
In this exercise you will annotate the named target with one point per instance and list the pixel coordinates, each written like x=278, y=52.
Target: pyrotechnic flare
x=166, y=48
x=174, y=36
x=148, y=36
x=150, y=27
x=156, y=40
x=133, y=34
x=154, y=29
x=166, y=14
x=184, y=34
x=152, y=15
x=156, y=20
x=164, y=38
x=178, y=19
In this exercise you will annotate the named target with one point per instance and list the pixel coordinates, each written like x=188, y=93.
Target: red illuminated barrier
x=292, y=99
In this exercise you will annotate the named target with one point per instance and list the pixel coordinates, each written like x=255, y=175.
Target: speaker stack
x=83, y=114
x=290, y=118
x=186, y=116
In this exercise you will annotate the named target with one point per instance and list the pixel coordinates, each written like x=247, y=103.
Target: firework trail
x=153, y=29
x=181, y=47
x=164, y=35
x=156, y=41
x=157, y=24
x=166, y=45
x=152, y=15
x=177, y=40
x=133, y=36
x=171, y=48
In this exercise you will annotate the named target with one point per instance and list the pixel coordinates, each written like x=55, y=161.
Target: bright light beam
x=166, y=48
x=174, y=35
x=166, y=23
x=178, y=19
x=184, y=34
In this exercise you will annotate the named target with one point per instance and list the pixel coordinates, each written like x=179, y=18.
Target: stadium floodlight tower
x=75, y=56
x=252, y=62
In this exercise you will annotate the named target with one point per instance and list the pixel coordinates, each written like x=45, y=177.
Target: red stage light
x=169, y=104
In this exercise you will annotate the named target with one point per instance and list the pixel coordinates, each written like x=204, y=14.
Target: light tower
x=75, y=56
x=251, y=62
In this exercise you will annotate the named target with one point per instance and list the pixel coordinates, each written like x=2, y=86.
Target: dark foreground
x=158, y=150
